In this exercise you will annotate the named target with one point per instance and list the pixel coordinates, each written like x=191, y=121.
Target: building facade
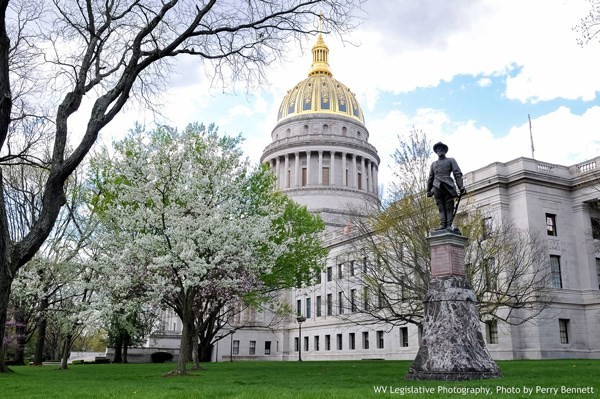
x=321, y=157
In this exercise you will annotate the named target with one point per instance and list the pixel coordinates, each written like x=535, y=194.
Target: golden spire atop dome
x=320, y=64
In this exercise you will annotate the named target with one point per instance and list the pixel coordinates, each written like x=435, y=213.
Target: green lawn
x=280, y=380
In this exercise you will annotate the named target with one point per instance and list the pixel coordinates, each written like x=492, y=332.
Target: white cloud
x=560, y=137
x=484, y=82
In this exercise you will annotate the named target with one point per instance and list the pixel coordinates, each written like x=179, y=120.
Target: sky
x=467, y=72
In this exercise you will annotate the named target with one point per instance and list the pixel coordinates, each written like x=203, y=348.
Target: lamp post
x=231, y=345
x=301, y=319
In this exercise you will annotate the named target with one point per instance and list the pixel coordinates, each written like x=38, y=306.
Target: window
x=487, y=227
x=319, y=306
x=365, y=339
x=420, y=334
x=339, y=342
x=489, y=270
x=380, y=339
x=296, y=344
x=304, y=176
x=598, y=271
x=289, y=178
x=365, y=266
x=380, y=299
x=299, y=307
x=267, y=347
x=563, y=327
x=352, y=271
x=555, y=271
x=551, y=224
x=329, y=273
x=306, y=344
x=404, y=337
x=346, y=179
x=366, y=298
x=359, y=178
x=325, y=176
x=236, y=347
x=340, y=270
x=329, y=305
x=252, y=348
x=316, y=343
x=596, y=228
x=352, y=341
x=341, y=302
x=492, y=331
x=318, y=277
x=353, y=301
x=308, y=308
x=328, y=342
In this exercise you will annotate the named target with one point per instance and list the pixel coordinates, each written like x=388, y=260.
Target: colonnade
x=325, y=168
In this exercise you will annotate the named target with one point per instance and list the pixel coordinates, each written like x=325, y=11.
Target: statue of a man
x=442, y=187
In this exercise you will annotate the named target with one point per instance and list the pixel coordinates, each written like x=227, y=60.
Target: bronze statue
x=442, y=187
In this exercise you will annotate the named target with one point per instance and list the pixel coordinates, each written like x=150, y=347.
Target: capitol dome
x=320, y=92
x=320, y=151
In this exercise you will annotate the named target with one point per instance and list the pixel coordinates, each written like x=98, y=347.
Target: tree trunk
x=205, y=352
x=185, y=346
x=66, y=352
x=20, y=335
x=196, y=354
x=38, y=356
x=5, y=284
x=118, y=358
x=125, y=346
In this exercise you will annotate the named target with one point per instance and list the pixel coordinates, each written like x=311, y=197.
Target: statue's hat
x=440, y=144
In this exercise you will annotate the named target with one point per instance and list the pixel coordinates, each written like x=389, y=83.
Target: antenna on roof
x=531, y=137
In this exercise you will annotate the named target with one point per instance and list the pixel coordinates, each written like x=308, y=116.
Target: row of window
x=491, y=335
x=492, y=331
x=339, y=342
x=235, y=347
x=551, y=228
x=351, y=304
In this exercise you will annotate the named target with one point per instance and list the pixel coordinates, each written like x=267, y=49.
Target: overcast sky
x=468, y=72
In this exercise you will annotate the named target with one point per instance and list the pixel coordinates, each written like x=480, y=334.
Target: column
x=286, y=168
x=363, y=174
x=376, y=178
x=344, y=167
x=296, y=169
x=354, y=172
x=277, y=173
x=308, y=168
x=370, y=176
x=332, y=168
x=320, y=172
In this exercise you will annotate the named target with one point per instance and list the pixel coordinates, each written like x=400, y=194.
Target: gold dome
x=320, y=92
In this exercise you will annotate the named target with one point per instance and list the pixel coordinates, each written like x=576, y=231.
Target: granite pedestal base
x=452, y=346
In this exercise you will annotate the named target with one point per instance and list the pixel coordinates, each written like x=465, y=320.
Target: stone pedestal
x=452, y=346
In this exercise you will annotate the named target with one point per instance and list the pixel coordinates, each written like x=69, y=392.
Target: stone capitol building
x=322, y=158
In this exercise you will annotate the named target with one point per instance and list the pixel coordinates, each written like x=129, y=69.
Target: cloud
x=560, y=137
x=484, y=82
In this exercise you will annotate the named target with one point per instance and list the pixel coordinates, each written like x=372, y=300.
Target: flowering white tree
x=188, y=221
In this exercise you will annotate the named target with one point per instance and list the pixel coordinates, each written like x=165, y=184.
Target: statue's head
x=440, y=147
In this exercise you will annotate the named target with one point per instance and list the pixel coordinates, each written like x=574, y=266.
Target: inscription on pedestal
x=447, y=255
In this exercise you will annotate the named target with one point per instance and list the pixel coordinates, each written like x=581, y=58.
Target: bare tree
x=505, y=266
x=589, y=26
x=109, y=51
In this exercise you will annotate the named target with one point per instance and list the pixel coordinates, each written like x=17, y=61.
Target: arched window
x=344, y=131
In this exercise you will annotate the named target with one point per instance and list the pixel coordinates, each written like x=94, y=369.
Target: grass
x=282, y=380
